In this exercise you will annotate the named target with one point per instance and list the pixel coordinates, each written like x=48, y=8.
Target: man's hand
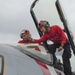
x=32, y=40
x=60, y=48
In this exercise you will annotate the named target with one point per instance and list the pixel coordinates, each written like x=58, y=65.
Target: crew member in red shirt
x=57, y=36
x=26, y=36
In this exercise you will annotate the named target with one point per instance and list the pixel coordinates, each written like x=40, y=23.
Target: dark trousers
x=65, y=57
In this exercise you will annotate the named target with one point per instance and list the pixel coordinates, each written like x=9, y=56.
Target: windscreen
x=30, y=50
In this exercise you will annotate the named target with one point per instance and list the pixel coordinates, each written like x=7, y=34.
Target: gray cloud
x=15, y=15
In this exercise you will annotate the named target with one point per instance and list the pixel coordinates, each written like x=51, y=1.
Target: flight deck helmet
x=43, y=23
x=24, y=31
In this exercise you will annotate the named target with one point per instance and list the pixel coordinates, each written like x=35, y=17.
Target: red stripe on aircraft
x=43, y=66
x=37, y=48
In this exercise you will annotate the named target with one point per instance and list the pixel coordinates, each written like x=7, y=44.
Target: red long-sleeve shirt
x=56, y=35
x=22, y=41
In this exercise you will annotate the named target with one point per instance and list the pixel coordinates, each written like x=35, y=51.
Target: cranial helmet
x=43, y=23
x=24, y=31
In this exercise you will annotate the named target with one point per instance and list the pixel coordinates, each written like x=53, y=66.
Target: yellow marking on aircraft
x=4, y=66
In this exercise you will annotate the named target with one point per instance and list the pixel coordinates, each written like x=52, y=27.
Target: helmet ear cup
x=21, y=35
x=46, y=24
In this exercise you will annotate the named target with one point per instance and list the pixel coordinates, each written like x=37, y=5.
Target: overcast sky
x=15, y=16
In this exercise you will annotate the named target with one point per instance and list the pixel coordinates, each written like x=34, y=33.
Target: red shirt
x=22, y=41
x=27, y=42
x=56, y=35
